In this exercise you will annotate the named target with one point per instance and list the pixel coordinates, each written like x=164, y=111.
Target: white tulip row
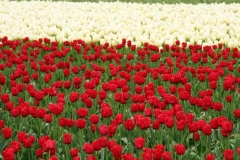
x=153, y=23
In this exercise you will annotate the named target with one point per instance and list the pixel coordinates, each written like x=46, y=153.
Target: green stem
x=196, y=150
x=207, y=143
x=67, y=152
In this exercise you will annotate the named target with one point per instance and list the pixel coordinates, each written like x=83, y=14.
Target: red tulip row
x=86, y=101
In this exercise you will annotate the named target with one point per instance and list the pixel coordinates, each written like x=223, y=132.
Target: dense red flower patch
x=86, y=101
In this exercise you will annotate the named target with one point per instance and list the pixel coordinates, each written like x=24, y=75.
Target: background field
x=160, y=1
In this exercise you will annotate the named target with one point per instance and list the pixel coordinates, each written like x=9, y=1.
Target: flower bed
x=110, y=22
x=170, y=90
x=93, y=101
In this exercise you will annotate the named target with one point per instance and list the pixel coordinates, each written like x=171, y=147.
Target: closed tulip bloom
x=139, y=142
x=207, y=130
x=180, y=149
x=67, y=138
x=7, y=133
x=210, y=156
x=228, y=154
x=74, y=152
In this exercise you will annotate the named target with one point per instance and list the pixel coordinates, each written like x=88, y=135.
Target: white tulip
x=199, y=42
x=191, y=40
x=102, y=41
x=113, y=42
x=114, y=21
x=230, y=44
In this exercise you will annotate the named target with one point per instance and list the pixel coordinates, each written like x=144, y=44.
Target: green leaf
x=236, y=144
x=217, y=151
x=102, y=154
x=125, y=140
x=3, y=144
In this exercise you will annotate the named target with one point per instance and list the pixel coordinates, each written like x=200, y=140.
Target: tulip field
x=119, y=81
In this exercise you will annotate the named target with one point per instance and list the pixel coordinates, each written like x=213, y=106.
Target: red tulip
x=116, y=151
x=196, y=136
x=146, y=156
x=144, y=123
x=139, y=142
x=218, y=106
x=53, y=158
x=213, y=84
x=8, y=154
x=53, y=91
x=237, y=113
x=157, y=154
x=88, y=148
x=169, y=122
x=49, y=145
x=102, y=94
x=112, y=128
x=228, y=154
x=180, y=149
x=103, y=130
x=80, y=123
x=5, y=98
x=148, y=112
x=74, y=96
x=207, y=130
x=14, y=91
x=167, y=156
x=155, y=125
x=201, y=77
x=39, y=152
x=42, y=139
x=118, y=97
x=119, y=118
x=91, y=157
x=227, y=126
x=39, y=95
x=110, y=86
x=180, y=125
x=74, y=152
x=75, y=69
x=76, y=158
x=192, y=127
x=88, y=102
x=56, y=109
x=184, y=95
x=9, y=106
x=62, y=122
x=179, y=114
x=94, y=118
x=229, y=98
x=106, y=112
x=129, y=124
x=21, y=136
x=103, y=141
x=210, y=156
x=1, y=124
x=97, y=145
x=67, y=85
x=2, y=79
x=27, y=143
x=82, y=112
x=169, y=98
x=48, y=118
x=67, y=138
x=7, y=132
